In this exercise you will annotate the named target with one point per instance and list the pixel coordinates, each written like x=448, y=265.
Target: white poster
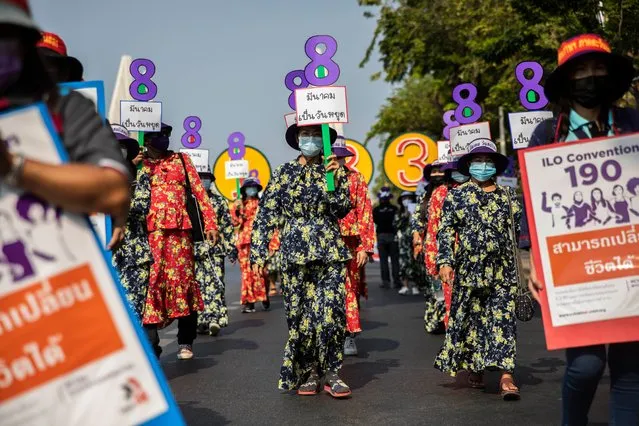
x=200, y=159
x=522, y=125
x=321, y=105
x=462, y=136
x=236, y=169
x=443, y=152
x=139, y=116
x=290, y=119
x=71, y=352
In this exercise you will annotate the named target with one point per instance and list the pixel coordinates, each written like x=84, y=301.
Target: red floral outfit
x=358, y=232
x=173, y=291
x=253, y=286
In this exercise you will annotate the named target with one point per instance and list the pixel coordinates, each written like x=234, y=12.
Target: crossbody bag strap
x=513, y=240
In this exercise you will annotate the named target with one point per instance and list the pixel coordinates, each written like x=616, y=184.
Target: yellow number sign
x=406, y=157
x=362, y=161
x=259, y=168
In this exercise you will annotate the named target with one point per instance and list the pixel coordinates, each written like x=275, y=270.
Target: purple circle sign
x=191, y=138
x=531, y=95
x=142, y=88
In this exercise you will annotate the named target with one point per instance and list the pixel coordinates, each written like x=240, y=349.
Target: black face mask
x=436, y=180
x=592, y=91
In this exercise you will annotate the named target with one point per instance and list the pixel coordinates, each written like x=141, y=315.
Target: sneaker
x=403, y=291
x=214, y=329
x=185, y=352
x=350, y=348
x=202, y=329
x=266, y=305
x=416, y=291
x=249, y=308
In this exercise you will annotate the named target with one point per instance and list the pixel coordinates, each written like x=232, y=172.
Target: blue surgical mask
x=310, y=146
x=482, y=171
x=206, y=183
x=251, y=192
x=458, y=177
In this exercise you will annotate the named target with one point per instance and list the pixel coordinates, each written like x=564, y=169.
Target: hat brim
x=620, y=69
x=250, y=185
x=207, y=175
x=69, y=63
x=501, y=162
x=14, y=16
x=291, y=136
x=341, y=152
x=131, y=145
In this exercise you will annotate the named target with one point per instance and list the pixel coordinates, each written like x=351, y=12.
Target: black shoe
x=249, y=308
x=202, y=329
x=266, y=305
x=384, y=285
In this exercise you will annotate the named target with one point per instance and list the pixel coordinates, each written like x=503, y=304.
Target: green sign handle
x=141, y=143
x=237, y=188
x=326, y=139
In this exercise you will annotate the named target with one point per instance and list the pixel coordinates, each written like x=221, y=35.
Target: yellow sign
x=259, y=168
x=362, y=161
x=406, y=157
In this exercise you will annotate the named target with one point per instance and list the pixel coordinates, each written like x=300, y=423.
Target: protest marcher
x=419, y=219
x=387, y=246
x=587, y=82
x=96, y=180
x=484, y=217
x=409, y=269
x=173, y=291
x=358, y=232
x=209, y=263
x=314, y=258
x=62, y=67
x=253, y=286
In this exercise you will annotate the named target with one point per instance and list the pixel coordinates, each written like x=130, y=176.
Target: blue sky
x=222, y=60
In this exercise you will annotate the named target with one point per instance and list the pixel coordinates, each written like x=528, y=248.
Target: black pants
x=187, y=332
x=388, y=246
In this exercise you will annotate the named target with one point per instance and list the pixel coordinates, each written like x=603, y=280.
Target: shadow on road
x=175, y=368
x=360, y=374
x=368, y=325
x=366, y=345
x=219, y=346
x=238, y=325
x=195, y=415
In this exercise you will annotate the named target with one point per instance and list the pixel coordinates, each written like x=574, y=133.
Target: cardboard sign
x=522, y=125
x=405, y=159
x=321, y=105
x=141, y=116
x=199, y=157
x=582, y=201
x=462, y=136
x=290, y=119
x=443, y=152
x=56, y=290
x=237, y=169
x=92, y=90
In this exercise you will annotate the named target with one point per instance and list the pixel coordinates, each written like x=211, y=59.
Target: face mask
x=458, y=177
x=310, y=146
x=160, y=142
x=436, y=180
x=592, y=91
x=482, y=171
x=10, y=63
x=206, y=183
x=251, y=192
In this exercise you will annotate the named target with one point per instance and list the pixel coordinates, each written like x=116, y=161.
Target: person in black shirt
x=387, y=245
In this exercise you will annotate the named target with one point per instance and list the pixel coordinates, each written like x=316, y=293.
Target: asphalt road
x=233, y=379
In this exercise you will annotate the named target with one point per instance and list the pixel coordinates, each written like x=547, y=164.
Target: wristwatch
x=15, y=173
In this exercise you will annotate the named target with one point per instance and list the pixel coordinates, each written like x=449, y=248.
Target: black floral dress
x=313, y=257
x=209, y=266
x=482, y=327
x=409, y=267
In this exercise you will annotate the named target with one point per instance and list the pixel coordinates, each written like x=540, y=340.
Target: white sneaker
x=403, y=291
x=214, y=329
x=185, y=352
x=416, y=291
x=350, y=348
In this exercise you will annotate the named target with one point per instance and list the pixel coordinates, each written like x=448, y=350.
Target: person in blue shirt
x=585, y=86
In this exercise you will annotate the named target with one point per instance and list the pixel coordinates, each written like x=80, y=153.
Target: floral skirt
x=481, y=330
x=435, y=310
x=314, y=301
x=353, y=287
x=209, y=273
x=253, y=285
x=173, y=291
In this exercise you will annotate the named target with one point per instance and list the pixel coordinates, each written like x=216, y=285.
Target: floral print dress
x=358, y=232
x=314, y=258
x=410, y=268
x=482, y=326
x=209, y=266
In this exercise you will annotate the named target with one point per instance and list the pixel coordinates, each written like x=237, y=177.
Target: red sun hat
x=620, y=68
x=54, y=52
x=18, y=13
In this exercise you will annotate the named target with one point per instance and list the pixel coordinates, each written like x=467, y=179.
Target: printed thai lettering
x=598, y=267
x=530, y=120
x=622, y=238
x=322, y=96
x=35, y=359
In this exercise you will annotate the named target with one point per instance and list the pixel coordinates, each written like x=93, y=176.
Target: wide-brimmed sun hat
x=486, y=147
x=54, y=51
x=291, y=136
x=340, y=149
x=125, y=139
x=17, y=13
x=385, y=193
x=248, y=183
x=620, y=68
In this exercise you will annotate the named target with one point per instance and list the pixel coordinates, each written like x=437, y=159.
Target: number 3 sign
x=405, y=159
x=362, y=161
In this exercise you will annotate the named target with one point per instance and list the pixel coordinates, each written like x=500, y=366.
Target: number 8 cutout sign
x=405, y=159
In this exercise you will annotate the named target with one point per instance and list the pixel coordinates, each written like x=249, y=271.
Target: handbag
x=524, y=307
x=193, y=208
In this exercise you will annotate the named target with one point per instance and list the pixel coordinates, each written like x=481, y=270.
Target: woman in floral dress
x=410, y=270
x=173, y=291
x=209, y=264
x=482, y=326
x=253, y=285
x=314, y=258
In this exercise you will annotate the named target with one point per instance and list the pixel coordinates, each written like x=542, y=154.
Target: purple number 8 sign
x=236, y=146
x=322, y=63
x=191, y=137
x=142, y=88
x=289, y=82
x=531, y=95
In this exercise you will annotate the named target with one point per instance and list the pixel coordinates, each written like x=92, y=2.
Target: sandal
x=311, y=386
x=476, y=380
x=509, y=391
x=335, y=387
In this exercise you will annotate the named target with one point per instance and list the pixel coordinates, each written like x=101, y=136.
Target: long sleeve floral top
x=226, y=241
x=275, y=243
x=168, y=194
x=417, y=222
x=434, y=220
x=243, y=218
x=359, y=221
x=296, y=201
x=483, y=223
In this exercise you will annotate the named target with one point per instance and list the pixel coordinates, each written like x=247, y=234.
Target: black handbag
x=524, y=307
x=193, y=208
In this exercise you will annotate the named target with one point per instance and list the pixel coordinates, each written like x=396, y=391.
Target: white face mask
x=251, y=192
x=310, y=146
